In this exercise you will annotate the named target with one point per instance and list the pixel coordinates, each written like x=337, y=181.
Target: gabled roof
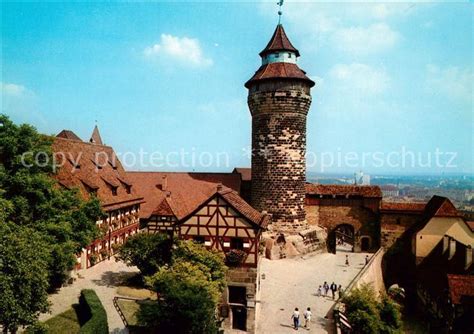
x=279, y=71
x=244, y=208
x=279, y=42
x=343, y=190
x=82, y=172
x=245, y=173
x=185, y=191
x=95, y=138
x=164, y=208
x=439, y=206
x=68, y=134
x=461, y=289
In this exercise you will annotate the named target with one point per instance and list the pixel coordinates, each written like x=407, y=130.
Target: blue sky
x=168, y=77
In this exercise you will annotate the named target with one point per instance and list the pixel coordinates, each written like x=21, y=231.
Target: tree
x=146, y=251
x=36, y=201
x=188, y=301
x=367, y=315
x=24, y=276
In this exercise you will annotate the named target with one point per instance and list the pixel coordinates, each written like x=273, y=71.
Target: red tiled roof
x=245, y=172
x=461, y=287
x=164, y=208
x=95, y=138
x=68, y=134
x=186, y=190
x=244, y=208
x=79, y=170
x=470, y=224
x=411, y=207
x=439, y=206
x=281, y=71
x=343, y=190
x=279, y=42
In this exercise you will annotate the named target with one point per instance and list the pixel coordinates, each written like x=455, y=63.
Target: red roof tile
x=279, y=42
x=237, y=202
x=245, y=173
x=80, y=170
x=439, y=206
x=186, y=190
x=343, y=190
x=279, y=71
x=68, y=134
x=411, y=207
x=470, y=224
x=461, y=287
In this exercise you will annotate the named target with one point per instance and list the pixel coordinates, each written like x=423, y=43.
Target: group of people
x=324, y=290
x=296, y=318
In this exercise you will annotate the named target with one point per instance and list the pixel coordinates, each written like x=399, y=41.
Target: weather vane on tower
x=280, y=3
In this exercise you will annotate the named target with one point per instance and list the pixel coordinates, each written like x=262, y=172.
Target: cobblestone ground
x=104, y=279
x=291, y=283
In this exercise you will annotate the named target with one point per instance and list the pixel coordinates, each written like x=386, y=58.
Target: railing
x=117, y=307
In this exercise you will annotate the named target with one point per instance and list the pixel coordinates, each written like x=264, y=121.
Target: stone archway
x=342, y=237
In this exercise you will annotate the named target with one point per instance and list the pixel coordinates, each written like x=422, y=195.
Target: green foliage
x=189, y=301
x=24, y=278
x=97, y=323
x=210, y=261
x=31, y=198
x=367, y=315
x=146, y=251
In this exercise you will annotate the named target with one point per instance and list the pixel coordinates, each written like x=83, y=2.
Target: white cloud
x=13, y=90
x=375, y=38
x=360, y=78
x=451, y=81
x=184, y=50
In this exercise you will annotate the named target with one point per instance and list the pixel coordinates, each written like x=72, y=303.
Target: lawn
x=135, y=292
x=66, y=322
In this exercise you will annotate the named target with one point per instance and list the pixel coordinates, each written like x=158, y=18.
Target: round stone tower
x=279, y=100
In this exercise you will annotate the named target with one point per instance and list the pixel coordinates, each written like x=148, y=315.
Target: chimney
x=164, y=183
x=468, y=257
x=445, y=244
x=168, y=194
x=219, y=187
x=452, y=248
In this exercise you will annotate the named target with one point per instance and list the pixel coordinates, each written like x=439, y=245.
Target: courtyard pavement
x=291, y=283
x=104, y=279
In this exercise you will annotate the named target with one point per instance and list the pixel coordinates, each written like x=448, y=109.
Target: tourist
x=366, y=259
x=326, y=288
x=320, y=291
x=307, y=318
x=333, y=290
x=347, y=260
x=296, y=318
x=340, y=291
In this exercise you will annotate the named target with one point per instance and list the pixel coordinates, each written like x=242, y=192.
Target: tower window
x=289, y=55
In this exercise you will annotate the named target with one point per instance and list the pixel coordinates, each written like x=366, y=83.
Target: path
x=291, y=283
x=103, y=278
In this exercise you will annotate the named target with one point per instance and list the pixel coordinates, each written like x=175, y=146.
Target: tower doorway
x=341, y=238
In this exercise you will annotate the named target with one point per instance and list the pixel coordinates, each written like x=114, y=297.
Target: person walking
x=326, y=288
x=340, y=291
x=347, y=260
x=366, y=259
x=296, y=318
x=333, y=290
x=307, y=318
x=320, y=291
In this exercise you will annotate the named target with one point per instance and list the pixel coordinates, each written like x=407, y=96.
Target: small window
x=114, y=191
x=128, y=188
x=277, y=55
x=199, y=239
x=289, y=55
x=237, y=243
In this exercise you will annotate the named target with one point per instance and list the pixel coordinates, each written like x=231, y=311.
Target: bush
x=235, y=257
x=97, y=323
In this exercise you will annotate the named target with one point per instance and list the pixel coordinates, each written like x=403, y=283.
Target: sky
x=164, y=81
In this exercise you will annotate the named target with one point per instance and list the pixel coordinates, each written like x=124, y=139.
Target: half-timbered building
x=94, y=169
x=207, y=208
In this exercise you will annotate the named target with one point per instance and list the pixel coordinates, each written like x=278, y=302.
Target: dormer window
x=114, y=191
x=128, y=189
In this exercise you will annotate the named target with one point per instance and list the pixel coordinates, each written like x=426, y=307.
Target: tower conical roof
x=279, y=42
x=95, y=138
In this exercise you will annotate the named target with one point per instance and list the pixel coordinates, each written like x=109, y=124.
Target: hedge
x=97, y=323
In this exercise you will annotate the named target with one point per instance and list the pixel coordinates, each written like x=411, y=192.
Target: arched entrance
x=341, y=238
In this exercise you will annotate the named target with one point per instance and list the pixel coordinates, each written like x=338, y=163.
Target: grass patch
x=129, y=309
x=134, y=292
x=66, y=322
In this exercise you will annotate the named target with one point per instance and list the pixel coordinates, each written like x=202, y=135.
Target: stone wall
x=370, y=274
x=248, y=278
x=393, y=226
x=279, y=112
